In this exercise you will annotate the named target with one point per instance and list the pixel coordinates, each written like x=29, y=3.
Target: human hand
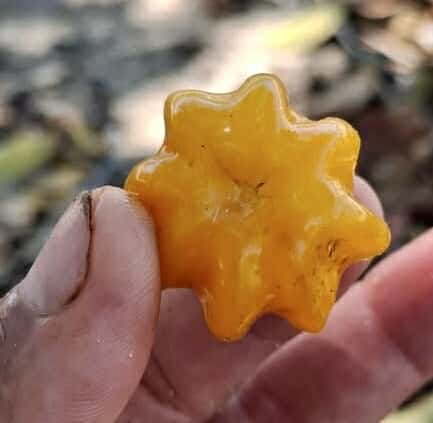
x=77, y=337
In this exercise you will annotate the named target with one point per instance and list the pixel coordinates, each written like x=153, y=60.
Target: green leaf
x=419, y=412
x=23, y=153
x=307, y=29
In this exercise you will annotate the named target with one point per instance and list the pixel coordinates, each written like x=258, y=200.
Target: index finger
x=376, y=349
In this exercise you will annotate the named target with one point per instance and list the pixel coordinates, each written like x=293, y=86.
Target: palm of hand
x=190, y=374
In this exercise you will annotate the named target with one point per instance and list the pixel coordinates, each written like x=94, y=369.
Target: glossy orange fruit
x=253, y=206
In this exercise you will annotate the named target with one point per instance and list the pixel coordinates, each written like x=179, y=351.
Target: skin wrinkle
x=18, y=320
x=275, y=405
x=23, y=319
x=2, y=332
x=149, y=382
x=161, y=402
x=328, y=409
x=411, y=361
x=267, y=402
x=169, y=399
x=393, y=325
x=394, y=338
x=414, y=375
x=142, y=403
x=3, y=316
x=156, y=397
x=5, y=400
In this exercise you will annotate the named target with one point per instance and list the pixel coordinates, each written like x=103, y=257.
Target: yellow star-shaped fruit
x=253, y=206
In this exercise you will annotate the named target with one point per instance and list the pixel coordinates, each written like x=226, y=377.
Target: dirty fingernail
x=60, y=268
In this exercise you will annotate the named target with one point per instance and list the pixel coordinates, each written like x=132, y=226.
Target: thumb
x=77, y=332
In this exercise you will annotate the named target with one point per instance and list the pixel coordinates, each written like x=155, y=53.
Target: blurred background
x=82, y=86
